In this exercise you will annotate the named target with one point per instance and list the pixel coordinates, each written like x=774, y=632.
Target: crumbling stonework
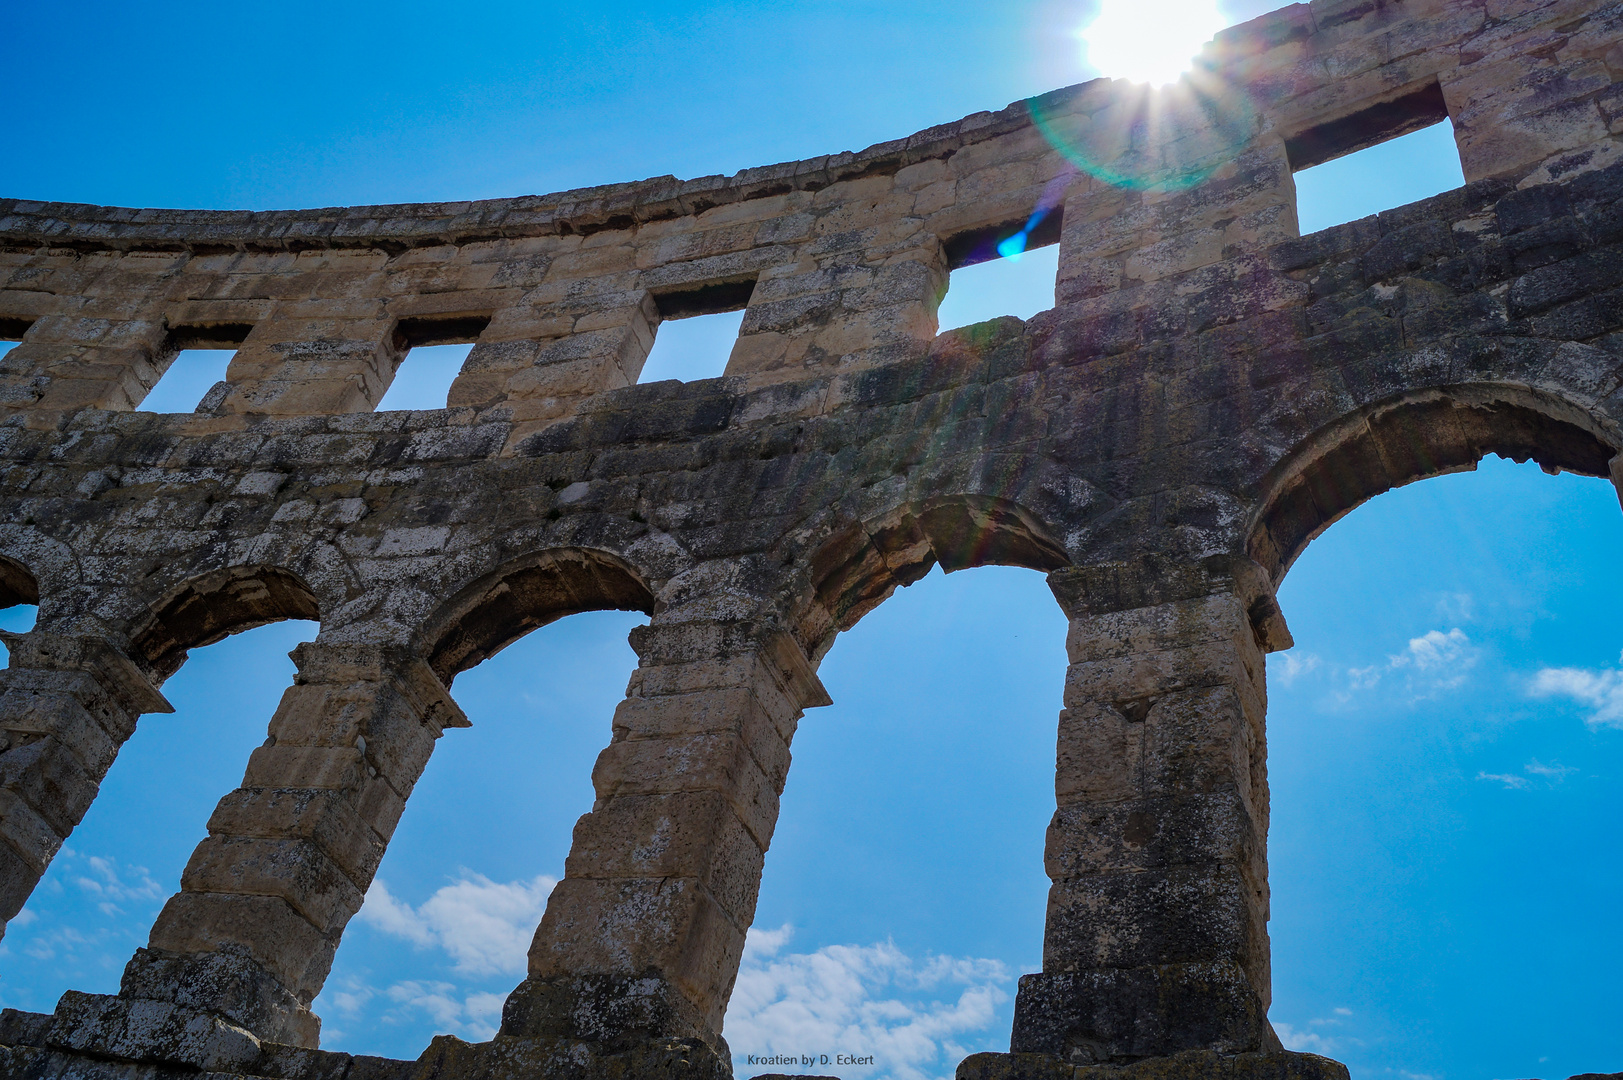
x=1208, y=393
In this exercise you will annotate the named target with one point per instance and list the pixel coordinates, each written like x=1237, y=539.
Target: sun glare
x=1149, y=41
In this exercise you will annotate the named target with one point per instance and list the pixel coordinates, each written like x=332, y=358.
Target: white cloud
x=475, y=1016
x=1601, y=690
x=486, y=926
x=453, y=1010
x=1317, y=1035
x=1286, y=667
x=1308, y=1042
x=1554, y=772
x=1362, y=678
x=1432, y=663
x=1443, y=658
x=1511, y=781
x=917, y=1018
x=1456, y=607
x=104, y=881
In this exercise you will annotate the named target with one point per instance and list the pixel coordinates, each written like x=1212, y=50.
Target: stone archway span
x=34, y=569
x=17, y=584
x=523, y=594
x=1413, y=436
x=213, y=605
x=859, y=564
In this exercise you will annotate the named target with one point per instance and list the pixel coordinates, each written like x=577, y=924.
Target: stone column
x=338, y=357
x=642, y=939
x=76, y=361
x=1156, y=938
x=1118, y=243
x=289, y=856
x=1535, y=104
x=543, y=359
x=66, y=706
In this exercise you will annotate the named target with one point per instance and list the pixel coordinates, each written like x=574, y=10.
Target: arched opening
x=216, y=605
x=1443, y=754
x=529, y=592
x=904, y=891
x=1411, y=437
x=539, y=654
x=863, y=563
x=97, y=901
x=19, y=598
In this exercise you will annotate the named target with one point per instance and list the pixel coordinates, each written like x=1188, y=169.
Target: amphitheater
x=1209, y=392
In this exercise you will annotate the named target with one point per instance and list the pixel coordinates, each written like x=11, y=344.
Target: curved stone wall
x=1208, y=393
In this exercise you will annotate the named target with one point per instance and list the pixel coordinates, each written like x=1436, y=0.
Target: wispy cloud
x=1284, y=668
x=1442, y=659
x=58, y=928
x=1321, y=1035
x=1510, y=780
x=451, y=1009
x=104, y=880
x=1551, y=774
x=1601, y=690
x=485, y=926
x=1430, y=664
x=1456, y=607
x=917, y=1018
x=1555, y=772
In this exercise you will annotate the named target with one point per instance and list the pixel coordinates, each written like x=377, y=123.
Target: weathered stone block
x=1121, y=1015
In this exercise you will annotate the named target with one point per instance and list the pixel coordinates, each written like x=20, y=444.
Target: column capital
x=344, y=663
x=42, y=650
x=698, y=640
x=1151, y=579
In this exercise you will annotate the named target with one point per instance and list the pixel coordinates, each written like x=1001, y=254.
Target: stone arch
x=856, y=568
x=37, y=569
x=525, y=594
x=17, y=584
x=214, y=605
x=1411, y=437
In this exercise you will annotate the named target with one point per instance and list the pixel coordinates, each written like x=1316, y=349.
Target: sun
x=1149, y=41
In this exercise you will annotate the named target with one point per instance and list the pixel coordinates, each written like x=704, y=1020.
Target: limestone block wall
x=1209, y=391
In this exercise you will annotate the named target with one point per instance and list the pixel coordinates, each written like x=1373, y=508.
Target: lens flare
x=1165, y=118
x=1149, y=41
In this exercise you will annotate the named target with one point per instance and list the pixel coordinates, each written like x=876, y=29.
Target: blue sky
x=1446, y=737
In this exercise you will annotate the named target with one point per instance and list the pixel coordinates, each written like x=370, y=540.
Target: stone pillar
x=1156, y=938
x=340, y=358
x=1539, y=105
x=72, y=362
x=543, y=359
x=66, y=706
x=642, y=939
x=289, y=856
x=1117, y=240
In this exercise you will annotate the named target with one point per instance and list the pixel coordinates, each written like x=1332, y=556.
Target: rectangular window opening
x=696, y=332
x=1388, y=155
x=201, y=355
x=1006, y=269
x=433, y=349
